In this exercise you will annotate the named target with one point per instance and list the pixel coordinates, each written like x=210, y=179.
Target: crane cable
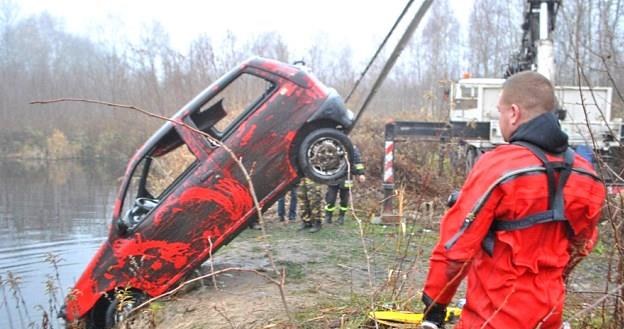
x=383, y=44
x=394, y=56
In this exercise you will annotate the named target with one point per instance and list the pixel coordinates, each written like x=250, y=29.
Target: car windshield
x=159, y=170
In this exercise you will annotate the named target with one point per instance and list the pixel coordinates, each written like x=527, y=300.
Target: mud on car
x=183, y=195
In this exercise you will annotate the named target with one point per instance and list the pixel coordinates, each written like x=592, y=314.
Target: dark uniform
x=292, y=210
x=310, y=204
x=343, y=189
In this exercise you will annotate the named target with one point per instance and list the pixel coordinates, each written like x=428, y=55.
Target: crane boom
x=536, y=51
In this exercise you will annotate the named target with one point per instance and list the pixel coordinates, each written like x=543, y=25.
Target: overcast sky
x=360, y=24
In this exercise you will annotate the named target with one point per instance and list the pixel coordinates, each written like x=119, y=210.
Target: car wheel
x=321, y=155
x=121, y=306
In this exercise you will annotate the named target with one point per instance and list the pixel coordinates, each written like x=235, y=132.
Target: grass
x=345, y=312
x=342, y=245
x=294, y=271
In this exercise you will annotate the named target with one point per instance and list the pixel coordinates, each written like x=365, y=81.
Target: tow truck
x=584, y=112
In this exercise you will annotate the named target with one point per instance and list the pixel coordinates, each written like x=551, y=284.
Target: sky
x=359, y=24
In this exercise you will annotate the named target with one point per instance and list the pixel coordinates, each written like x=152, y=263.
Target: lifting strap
x=555, y=212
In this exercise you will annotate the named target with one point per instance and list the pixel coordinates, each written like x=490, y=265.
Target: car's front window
x=224, y=109
x=155, y=175
x=166, y=168
x=134, y=187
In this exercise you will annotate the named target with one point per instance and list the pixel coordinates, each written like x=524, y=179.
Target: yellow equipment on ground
x=405, y=320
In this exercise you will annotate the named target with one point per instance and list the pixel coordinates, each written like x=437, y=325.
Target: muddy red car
x=183, y=195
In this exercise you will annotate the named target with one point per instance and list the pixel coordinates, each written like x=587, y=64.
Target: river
x=54, y=212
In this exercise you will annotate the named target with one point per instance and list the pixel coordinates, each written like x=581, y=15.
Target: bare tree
x=441, y=39
x=270, y=45
x=201, y=62
x=493, y=35
x=592, y=33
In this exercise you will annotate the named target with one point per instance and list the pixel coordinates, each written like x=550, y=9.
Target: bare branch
x=596, y=303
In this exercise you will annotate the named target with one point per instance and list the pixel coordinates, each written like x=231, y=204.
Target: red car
x=183, y=194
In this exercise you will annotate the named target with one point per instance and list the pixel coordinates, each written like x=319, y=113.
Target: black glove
x=452, y=199
x=434, y=313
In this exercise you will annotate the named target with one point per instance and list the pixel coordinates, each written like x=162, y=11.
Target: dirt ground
x=327, y=282
x=327, y=275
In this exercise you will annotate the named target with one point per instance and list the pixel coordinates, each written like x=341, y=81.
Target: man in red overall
x=524, y=218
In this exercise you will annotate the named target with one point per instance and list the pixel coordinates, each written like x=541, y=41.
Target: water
x=49, y=210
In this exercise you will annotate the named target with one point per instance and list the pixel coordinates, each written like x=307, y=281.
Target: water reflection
x=49, y=210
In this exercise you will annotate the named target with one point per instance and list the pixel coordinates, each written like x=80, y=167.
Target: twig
x=361, y=231
x=229, y=321
x=183, y=284
x=610, y=213
x=361, y=228
x=596, y=303
x=459, y=275
x=513, y=289
x=315, y=319
x=5, y=302
x=541, y=323
x=214, y=279
x=581, y=73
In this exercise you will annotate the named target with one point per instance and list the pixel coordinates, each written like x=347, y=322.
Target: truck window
x=465, y=104
x=467, y=92
x=466, y=98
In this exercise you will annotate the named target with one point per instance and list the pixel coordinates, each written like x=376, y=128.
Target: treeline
x=40, y=60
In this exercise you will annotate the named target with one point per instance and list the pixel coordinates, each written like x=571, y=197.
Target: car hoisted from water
x=184, y=196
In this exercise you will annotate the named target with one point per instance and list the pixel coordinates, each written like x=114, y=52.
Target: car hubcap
x=123, y=313
x=327, y=156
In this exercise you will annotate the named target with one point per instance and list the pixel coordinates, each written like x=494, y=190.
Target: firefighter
x=311, y=205
x=525, y=216
x=343, y=189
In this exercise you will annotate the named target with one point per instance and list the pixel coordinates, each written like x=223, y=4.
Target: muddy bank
x=326, y=269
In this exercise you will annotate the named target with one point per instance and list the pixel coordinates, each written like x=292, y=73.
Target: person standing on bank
x=525, y=216
x=311, y=205
x=343, y=189
x=292, y=209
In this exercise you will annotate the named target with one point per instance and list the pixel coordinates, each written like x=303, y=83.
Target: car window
x=166, y=168
x=132, y=192
x=224, y=109
x=159, y=170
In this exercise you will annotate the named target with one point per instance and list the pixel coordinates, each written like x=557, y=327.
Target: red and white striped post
x=387, y=211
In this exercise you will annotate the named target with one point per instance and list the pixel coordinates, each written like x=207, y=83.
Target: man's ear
x=515, y=115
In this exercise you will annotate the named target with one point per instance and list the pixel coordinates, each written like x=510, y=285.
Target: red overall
x=520, y=285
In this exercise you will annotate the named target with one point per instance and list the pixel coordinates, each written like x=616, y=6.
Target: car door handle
x=207, y=175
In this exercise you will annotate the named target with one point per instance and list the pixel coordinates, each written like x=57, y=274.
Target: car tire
x=321, y=155
x=114, y=316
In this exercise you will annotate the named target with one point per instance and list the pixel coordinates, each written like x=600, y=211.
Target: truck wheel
x=322, y=155
x=121, y=306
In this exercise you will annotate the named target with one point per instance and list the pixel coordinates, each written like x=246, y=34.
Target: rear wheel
x=322, y=155
x=121, y=306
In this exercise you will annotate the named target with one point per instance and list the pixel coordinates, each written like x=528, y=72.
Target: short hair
x=531, y=91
